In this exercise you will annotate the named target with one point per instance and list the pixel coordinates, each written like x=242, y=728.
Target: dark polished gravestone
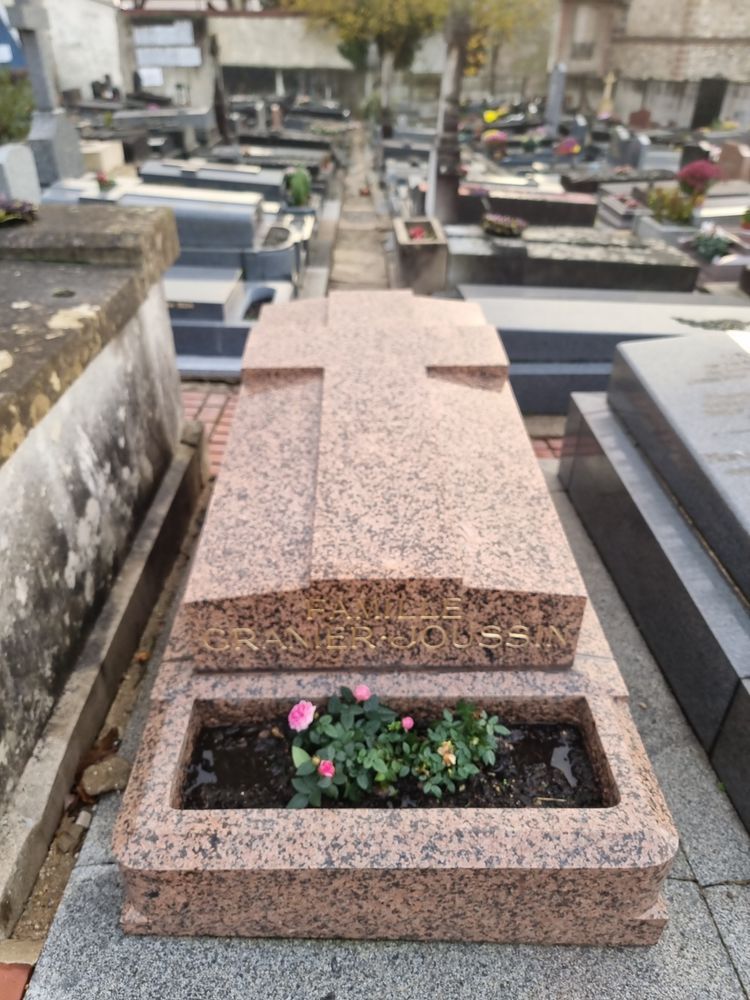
x=688, y=409
x=542, y=208
x=561, y=341
x=658, y=268
x=665, y=509
x=567, y=257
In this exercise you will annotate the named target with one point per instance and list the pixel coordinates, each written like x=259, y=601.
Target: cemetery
x=374, y=442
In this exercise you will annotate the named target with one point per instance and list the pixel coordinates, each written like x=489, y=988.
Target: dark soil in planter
x=249, y=766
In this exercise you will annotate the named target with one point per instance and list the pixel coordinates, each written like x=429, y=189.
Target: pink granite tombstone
x=380, y=519
x=385, y=526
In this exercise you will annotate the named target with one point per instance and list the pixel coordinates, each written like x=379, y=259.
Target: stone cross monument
x=53, y=139
x=555, y=95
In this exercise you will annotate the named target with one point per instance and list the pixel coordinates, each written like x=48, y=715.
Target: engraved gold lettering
x=401, y=641
x=454, y=637
x=362, y=634
x=315, y=608
x=550, y=634
x=519, y=633
x=213, y=640
x=490, y=637
x=335, y=638
x=338, y=610
x=294, y=635
x=426, y=632
x=272, y=638
x=452, y=608
x=244, y=637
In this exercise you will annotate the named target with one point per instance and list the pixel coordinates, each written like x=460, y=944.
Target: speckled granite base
x=553, y=875
x=388, y=525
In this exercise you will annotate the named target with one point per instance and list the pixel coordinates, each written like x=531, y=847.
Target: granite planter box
x=358, y=535
x=568, y=876
x=423, y=261
x=646, y=227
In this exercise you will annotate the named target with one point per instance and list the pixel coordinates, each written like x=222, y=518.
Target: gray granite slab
x=687, y=405
x=267, y=181
x=730, y=908
x=694, y=621
x=545, y=387
x=715, y=844
x=475, y=290
x=564, y=328
x=87, y=957
x=195, y=293
x=731, y=753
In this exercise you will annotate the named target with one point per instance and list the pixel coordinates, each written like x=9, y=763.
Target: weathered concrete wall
x=71, y=496
x=276, y=42
x=85, y=42
x=685, y=40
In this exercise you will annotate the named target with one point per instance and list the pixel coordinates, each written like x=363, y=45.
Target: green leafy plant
x=299, y=185
x=454, y=749
x=668, y=204
x=16, y=105
x=711, y=244
x=359, y=746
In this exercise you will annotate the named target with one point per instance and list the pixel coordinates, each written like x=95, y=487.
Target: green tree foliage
x=16, y=105
x=395, y=26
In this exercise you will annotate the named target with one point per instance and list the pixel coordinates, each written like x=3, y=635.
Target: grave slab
x=364, y=537
x=694, y=621
x=536, y=207
x=687, y=406
x=392, y=559
x=560, y=325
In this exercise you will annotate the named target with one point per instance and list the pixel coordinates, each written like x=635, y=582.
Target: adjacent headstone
x=18, y=176
x=555, y=95
x=734, y=161
x=658, y=473
x=688, y=408
x=52, y=138
x=563, y=340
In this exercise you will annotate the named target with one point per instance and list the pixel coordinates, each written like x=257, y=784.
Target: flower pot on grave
x=422, y=253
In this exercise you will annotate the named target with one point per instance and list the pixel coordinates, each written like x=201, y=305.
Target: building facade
x=685, y=61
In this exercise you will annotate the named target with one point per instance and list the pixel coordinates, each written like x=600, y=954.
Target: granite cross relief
x=369, y=513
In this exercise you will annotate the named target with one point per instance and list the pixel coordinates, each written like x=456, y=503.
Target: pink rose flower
x=326, y=769
x=301, y=716
x=407, y=722
x=361, y=692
